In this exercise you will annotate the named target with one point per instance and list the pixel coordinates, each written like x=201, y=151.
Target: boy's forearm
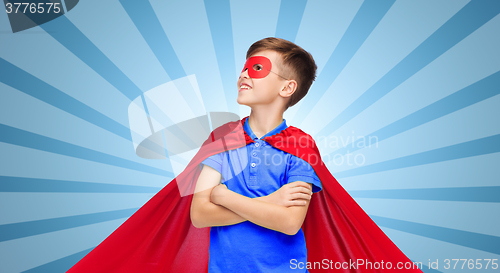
x=258, y=211
x=210, y=215
x=216, y=215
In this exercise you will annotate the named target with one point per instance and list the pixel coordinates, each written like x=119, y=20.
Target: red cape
x=159, y=237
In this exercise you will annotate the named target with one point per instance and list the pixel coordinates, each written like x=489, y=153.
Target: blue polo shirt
x=258, y=169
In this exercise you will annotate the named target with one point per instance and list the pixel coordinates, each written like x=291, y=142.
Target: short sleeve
x=300, y=170
x=214, y=161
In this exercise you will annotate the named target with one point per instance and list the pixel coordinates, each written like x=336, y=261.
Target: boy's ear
x=289, y=88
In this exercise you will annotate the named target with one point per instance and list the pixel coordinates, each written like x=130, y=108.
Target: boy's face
x=257, y=88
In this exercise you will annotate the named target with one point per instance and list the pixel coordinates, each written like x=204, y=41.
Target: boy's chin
x=242, y=102
x=246, y=104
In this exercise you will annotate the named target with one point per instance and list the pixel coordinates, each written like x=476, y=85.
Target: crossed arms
x=214, y=205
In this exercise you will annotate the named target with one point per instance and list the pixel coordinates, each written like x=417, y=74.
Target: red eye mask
x=258, y=67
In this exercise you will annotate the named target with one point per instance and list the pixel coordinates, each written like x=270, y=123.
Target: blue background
x=423, y=77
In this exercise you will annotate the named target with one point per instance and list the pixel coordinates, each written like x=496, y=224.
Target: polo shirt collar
x=274, y=131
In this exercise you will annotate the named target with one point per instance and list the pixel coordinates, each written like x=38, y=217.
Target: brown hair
x=296, y=64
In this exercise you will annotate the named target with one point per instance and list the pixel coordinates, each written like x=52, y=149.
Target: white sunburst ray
x=168, y=109
x=332, y=17
x=428, y=243
x=361, y=131
x=431, y=248
x=475, y=171
x=114, y=56
x=368, y=124
x=142, y=112
x=436, y=80
x=169, y=105
x=148, y=82
x=27, y=163
x=195, y=51
x=55, y=58
x=31, y=163
x=176, y=124
x=458, y=127
x=199, y=59
x=461, y=171
x=319, y=118
x=242, y=40
x=303, y=39
x=411, y=245
x=63, y=116
x=35, y=206
x=265, y=27
x=127, y=49
x=366, y=68
x=373, y=206
x=88, y=136
x=469, y=235
x=184, y=61
x=217, y=21
x=346, y=88
x=49, y=121
x=55, y=205
x=311, y=36
x=441, y=213
x=433, y=136
x=29, y=252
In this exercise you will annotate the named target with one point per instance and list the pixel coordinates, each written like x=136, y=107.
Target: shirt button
x=253, y=164
x=254, y=153
x=257, y=144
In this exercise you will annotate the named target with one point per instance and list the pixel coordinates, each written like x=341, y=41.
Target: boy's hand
x=292, y=194
x=217, y=192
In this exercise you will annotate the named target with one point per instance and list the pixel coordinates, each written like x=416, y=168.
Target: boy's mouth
x=244, y=86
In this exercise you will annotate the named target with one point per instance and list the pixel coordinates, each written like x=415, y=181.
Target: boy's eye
x=257, y=67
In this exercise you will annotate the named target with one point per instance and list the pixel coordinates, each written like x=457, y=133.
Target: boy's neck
x=262, y=122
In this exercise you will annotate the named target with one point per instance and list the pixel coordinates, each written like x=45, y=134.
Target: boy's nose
x=244, y=74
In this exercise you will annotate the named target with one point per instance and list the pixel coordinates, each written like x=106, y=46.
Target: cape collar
x=249, y=132
x=277, y=137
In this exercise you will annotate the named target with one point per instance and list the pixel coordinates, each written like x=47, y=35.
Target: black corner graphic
x=27, y=14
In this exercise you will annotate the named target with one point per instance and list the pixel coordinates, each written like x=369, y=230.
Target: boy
x=256, y=213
